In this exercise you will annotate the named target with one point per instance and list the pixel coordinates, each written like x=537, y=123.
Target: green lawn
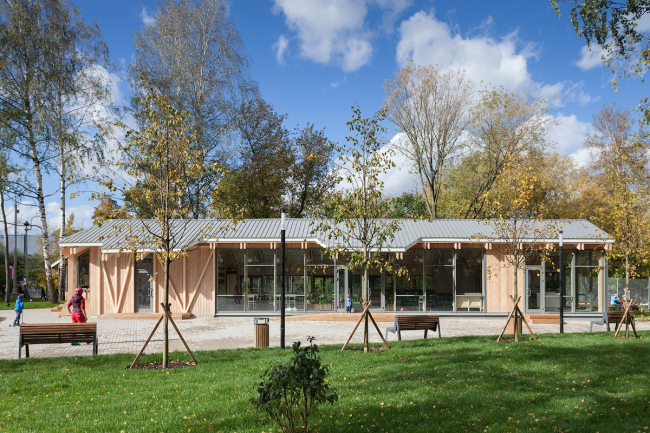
x=573, y=382
x=36, y=303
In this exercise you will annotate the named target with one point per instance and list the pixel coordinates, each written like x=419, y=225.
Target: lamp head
x=283, y=221
x=560, y=237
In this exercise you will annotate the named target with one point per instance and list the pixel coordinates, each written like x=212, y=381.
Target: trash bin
x=261, y=338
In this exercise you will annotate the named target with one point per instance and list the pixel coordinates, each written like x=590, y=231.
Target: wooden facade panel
x=72, y=275
x=118, y=283
x=191, y=283
x=95, y=294
x=500, y=283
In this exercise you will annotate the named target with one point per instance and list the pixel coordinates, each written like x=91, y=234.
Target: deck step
x=543, y=319
x=144, y=316
x=341, y=317
x=57, y=308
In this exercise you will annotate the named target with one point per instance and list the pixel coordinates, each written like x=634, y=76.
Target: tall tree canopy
x=194, y=56
x=48, y=82
x=432, y=109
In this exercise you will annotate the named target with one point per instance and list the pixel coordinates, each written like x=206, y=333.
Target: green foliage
x=407, y=205
x=614, y=25
x=289, y=394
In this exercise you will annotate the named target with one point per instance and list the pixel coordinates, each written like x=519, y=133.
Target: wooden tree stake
x=365, y=313
x=523, y=319
x=166, y=312
x=627, y=318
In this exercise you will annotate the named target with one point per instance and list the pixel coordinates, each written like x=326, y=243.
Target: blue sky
x=314, y=59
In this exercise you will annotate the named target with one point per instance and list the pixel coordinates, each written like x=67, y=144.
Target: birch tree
x=432, y=110
x=355, y=215
x=193, y=55
x=27, y=40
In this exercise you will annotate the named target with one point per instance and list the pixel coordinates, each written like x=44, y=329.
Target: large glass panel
x=230, y=280
x=409, y=293
x=295, y=290
x=587, y=258
x=341, y=288
x=354, y=288
x=320, y=288
x=390, y=293
x=318, y=257
x=469, y=280
x=83, y=275
x=144, y=284
x=260, y=257
x=586, y=284
x=552, y=282
x=375, y=289
x=533, y=289
x=261, y=282
x=440, y=280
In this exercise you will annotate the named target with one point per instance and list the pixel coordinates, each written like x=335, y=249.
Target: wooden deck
x=339, y=317
x=134, y=316
x=543, y=319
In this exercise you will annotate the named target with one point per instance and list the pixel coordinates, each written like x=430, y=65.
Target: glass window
x=440, y=280
x=469, y=278
x=440, y=257
x=318, y=257
x=586, y=280
x=230, y=280
x=320, y=288
x=409, y=291
x=83, y=275
x=260, y=257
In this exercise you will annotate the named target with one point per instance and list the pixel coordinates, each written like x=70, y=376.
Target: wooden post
x=363, y=315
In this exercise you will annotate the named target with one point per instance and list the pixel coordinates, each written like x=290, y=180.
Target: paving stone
x=211, y=333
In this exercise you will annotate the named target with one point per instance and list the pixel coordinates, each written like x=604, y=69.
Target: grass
x=36, y=303
x=561, y=383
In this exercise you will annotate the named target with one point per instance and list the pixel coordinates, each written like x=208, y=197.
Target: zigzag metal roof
x=114, y=235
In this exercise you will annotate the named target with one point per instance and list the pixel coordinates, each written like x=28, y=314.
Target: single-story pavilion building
x=451, y=268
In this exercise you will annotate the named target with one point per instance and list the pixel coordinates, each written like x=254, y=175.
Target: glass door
x=341, y=287
x=144, y=284
x=376, y=293
x=534, y=293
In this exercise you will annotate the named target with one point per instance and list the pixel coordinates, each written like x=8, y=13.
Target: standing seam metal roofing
x=112, y=235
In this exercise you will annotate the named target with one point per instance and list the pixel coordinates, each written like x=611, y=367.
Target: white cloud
x=568, y=134
x=330, y=31
x=280, y=47
x=590, y=57
x=426, y=41
x=147, y=19
x=643, y=24
x=581, y=156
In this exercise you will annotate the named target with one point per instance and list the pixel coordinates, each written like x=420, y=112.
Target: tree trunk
x=516, y=267
x=5, y=231
x=62, y=275
x=627, y=277
x=15, y=278
x=165, y=362
x=366, y=297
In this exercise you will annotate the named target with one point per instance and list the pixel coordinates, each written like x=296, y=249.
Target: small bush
x=290, y=393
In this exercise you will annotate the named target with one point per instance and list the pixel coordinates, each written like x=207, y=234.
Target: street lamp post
x=27, y=227
x=283, y=227
x=561, y=288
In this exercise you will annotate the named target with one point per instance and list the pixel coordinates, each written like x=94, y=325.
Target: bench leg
x=95, y=344
x=26, y=350
x=425, y=333
x=438, y=326
x=399, y=335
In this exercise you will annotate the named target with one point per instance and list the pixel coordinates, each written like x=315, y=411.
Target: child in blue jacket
x=20, y=305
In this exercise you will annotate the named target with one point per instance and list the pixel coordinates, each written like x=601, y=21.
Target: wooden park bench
x=52, y=333
x=414, y=323
x=614, y=317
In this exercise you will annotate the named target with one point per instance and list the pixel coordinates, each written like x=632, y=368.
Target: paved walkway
x=210, y=333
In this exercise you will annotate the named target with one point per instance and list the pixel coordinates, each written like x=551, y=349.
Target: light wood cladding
x=191, y=283
x=117, y=283
x=500, y=283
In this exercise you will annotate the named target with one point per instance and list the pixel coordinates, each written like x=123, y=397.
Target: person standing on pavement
x=20, y=305
x=78, y=305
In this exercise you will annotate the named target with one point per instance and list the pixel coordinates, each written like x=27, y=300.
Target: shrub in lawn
x=290, y=393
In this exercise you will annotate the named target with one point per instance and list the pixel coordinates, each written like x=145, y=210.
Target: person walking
x=78, y=305
x=20, y=305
